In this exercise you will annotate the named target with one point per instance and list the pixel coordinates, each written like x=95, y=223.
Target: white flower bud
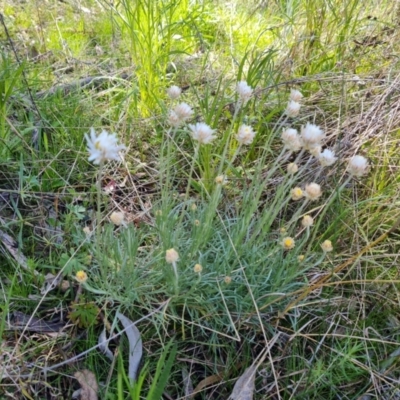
x=245, y=134
x=293, y=109
x=311, y=136
x=291, y=139
x=313, y=191
x=202, y=133
x=174, y=92
x=244, y=91
x=327, y=158
x=358, y=166
x=171, y=256
x=292, y=168
x=295, y=95
x=307, y=221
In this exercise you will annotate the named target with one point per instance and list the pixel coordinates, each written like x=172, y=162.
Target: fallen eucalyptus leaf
x=89, y=386
x=135, y=345
x=103, y=345
x=244, y=387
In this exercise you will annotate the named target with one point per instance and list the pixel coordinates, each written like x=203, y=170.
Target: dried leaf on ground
x=89, y=386
x=135, y=345
x=244, y=387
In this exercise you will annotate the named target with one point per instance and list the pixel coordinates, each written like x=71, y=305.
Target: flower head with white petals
x=291, y=139
x=103, y=147
x=202, y=133
x=174, y=92
x=244, y=91
x=292, y=168
x=293, y=109
x=183, y=111
x=358, y=166
x=313, y=191
x=245, y=134
x=311, y=136
x=327, y=158
x=295, y=95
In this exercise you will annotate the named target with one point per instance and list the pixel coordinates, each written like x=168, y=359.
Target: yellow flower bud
x=197, y=268
x=307, y=221
x=327, y=246
x=171, y=256
x=81, y=276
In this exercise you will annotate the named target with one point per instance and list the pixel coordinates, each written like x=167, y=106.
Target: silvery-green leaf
x=135, y=345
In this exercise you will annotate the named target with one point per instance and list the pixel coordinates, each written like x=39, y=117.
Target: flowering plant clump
x=293, y=202
x=103, y=147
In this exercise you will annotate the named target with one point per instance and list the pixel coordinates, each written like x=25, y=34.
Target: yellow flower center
x=81, y=276
x=288, y=242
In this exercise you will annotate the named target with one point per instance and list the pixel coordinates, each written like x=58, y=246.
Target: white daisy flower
x=103, y=147
x=327, y=158
x=202, y=133
x=245, y=134
x=244, y=91
x=358, y=166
